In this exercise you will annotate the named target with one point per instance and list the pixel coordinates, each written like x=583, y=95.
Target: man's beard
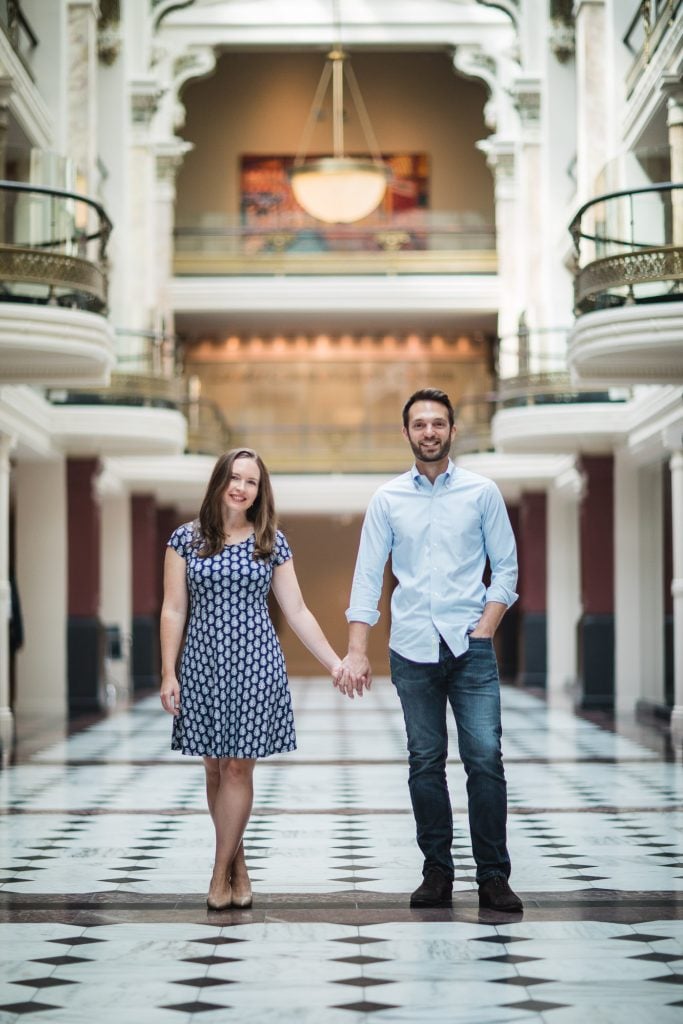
x=432, y=455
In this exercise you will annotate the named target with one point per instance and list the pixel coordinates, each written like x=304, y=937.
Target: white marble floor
x=106, y=854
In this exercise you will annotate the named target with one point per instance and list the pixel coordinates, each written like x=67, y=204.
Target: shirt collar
x=419, y=479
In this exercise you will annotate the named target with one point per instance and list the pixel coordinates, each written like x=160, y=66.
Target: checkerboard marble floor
x=106, y=852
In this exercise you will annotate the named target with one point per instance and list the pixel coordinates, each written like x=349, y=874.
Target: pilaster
x=6, y=716
x=564, y=583
x=676, y=468
x=639, y=611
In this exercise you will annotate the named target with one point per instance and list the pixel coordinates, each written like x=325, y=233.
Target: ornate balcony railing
x=208, y=432
x=629, y=248
x=533, y=371
x=415, y=242
x=371, y=448
x=52, y=247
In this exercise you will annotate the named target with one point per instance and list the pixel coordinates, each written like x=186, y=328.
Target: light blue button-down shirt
x=438, y=536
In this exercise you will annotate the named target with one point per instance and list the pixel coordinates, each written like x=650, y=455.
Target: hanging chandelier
x=339, y=189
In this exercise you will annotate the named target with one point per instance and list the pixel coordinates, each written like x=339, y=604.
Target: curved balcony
x=147, y=407
x=53, y=287
x=542, y=409
x=628, y=287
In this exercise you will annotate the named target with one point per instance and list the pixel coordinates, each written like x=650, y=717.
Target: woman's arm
x=173, y=615
x=288, y=595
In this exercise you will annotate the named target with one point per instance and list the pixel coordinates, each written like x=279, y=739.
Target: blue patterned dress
x=234, y=693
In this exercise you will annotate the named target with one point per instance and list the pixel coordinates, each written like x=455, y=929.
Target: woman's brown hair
x=211, y=537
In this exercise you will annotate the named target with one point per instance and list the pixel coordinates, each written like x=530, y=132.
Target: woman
x=232, y=704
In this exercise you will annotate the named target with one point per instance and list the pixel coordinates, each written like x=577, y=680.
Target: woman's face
x=242, y=489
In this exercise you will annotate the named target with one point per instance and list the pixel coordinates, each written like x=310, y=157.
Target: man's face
x=429, y=432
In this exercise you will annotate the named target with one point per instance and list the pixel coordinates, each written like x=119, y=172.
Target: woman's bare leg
x=229, y=790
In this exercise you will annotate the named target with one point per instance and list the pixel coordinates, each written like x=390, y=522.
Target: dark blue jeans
x=470, y=684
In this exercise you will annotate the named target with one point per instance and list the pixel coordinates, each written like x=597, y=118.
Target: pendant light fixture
x=339, y=189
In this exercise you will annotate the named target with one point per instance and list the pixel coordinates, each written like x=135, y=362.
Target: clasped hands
x=352, y=675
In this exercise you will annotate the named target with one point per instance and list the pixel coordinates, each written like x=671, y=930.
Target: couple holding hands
x=224, y=678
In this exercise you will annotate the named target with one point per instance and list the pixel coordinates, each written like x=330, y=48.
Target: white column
x=500, y=156
x=674, y=120
x=564, y=584
x=591, y=95
x=676, y=465
x=82, y=21
x=639, y=584
x=42, y=581
x=6, y=718
x=116, y=583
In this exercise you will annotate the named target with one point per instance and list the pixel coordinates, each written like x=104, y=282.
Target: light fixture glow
x=339, y=189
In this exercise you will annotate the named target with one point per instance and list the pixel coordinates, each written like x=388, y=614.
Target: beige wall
x=258, y=103
x=325, y=549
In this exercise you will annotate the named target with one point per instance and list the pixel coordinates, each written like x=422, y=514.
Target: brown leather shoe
x=436, y=890
x=496, y=894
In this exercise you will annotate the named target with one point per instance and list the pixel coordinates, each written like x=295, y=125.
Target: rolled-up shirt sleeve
x=373, y=551
x=499, y=541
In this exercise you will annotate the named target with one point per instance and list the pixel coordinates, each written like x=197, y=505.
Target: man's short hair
x=429, y=395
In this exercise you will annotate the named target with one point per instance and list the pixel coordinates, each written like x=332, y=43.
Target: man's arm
x=499, y=541
x=373, y=551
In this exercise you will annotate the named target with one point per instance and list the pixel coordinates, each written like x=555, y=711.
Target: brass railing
x=629, y=247
x=372, y=448
x=415, y=242
x=52, y=247
x=533, y=371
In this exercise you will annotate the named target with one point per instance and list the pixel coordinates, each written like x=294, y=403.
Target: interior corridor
x=107, y=850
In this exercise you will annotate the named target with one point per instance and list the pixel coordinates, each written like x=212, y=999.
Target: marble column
x=169, y=158
x=6, y=717
x=591, y=95
x=116, y=609
x=676, y=467
x=596, y=628
x=146, y=606
x=86, y=640
x=638, y=575
x=674, y=120
x=42, y=582
x=82, y=96
x=564, y=584
x=532, y=572
x=500, y=156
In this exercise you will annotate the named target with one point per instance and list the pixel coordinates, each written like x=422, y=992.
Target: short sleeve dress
x=234, y=692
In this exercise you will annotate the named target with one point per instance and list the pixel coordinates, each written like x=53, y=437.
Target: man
x=439, y=523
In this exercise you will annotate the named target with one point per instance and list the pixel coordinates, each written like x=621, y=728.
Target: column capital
x=145, y=94
x=169, y=158
x=527, y=97
x=672, y=87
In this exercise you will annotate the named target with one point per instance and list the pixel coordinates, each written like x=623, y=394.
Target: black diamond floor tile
x=27, y=1007
x=61, y=961
x=521, y=980
x=502, y=939
x=210, y=960
x=360, y=960
x=120, y=881
x=196, y=1007
x=661, y=958
x=49, y=982
x=363, y=981
x=203, y=982
x=534, y=1005
x=669, y=979
x=364, y=1007
x=358, y=940
x=218, y=940
x=640, y=937
x=510, y=958
x=76, y=940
